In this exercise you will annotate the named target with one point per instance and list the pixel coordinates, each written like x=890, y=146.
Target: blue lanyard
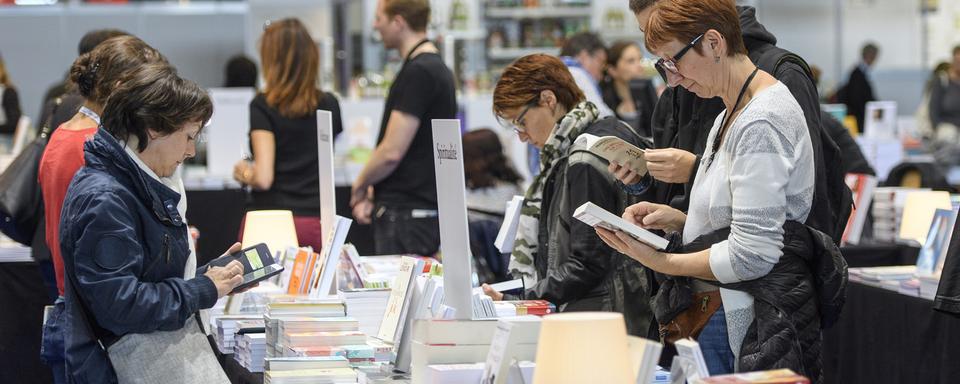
x=91, y=114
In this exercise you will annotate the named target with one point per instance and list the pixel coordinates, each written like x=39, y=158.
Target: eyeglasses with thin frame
x=664, y=65
x=517, y=124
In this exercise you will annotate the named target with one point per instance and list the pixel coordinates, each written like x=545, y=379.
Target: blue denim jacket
x=124, y=248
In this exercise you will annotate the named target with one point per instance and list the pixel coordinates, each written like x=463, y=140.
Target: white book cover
x=595, y=216
x=451, y=201
x=690, y=350
x=326, y=268
x=645, y=355
x=615, y=149
x=508, y=230
x=398, y=302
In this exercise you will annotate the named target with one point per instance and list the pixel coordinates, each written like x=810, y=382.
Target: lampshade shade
x=583, y=347
x=275, y=228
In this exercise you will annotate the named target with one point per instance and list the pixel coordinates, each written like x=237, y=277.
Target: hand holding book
x=670, y=165
x=655, y=216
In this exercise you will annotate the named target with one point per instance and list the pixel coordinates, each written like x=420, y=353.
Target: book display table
x=886, y=337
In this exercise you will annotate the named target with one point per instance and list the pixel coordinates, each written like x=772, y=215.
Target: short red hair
x=684, y=20
x=521, y=83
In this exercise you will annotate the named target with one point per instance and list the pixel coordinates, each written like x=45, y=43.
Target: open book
x=595, y=216
x=615, y=149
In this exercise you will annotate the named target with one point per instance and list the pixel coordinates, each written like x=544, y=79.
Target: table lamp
x=583, y=347
x=275, y=228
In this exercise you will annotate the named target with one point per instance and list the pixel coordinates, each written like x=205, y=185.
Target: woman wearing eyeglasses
x=746, y=261
x=560, y=258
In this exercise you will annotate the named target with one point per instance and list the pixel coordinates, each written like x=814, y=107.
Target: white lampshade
x=274, y=228
x=583, y=347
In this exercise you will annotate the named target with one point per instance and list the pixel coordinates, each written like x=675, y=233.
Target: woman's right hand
x=226, y=278
x=655, y=216
x=623, y=173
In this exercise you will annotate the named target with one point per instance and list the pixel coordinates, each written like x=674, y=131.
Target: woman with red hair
x=560, y=258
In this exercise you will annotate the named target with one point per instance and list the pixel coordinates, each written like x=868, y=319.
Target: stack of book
x=292, y=330
x=887, y=211
x=524, y=307
x=288, y=307
x=311, y=376
x=779, y=376
x=225, y=326
x=467, y=342
x=883, y=277
x=367, y=305
x=356, y=354
x=250, y=351
x=308, y=370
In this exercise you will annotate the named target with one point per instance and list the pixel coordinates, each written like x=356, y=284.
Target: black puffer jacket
x=803, y=293
x=577, y=271
x=683, y=120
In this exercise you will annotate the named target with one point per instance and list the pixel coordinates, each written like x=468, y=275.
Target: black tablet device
x=258, y=264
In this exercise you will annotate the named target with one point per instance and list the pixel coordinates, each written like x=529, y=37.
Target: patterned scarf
x=555, y=149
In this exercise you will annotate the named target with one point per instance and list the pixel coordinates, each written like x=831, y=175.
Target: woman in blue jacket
x=124, y=243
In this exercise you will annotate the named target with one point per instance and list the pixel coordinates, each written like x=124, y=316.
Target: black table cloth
x=886, y=337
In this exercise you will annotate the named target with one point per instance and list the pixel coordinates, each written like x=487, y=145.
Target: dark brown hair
x=153, y=97
x=684, y=20
x=521, y=83
x=96, y=73
x=616, y=51
x=484, y=162
x=290, y=62
x=92, y=39
x=638, y=6
x=415, y=12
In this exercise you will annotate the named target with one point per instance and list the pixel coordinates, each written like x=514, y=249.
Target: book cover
x=595, y=216
x=937, y=239
x=296, y=276
x=862, y=186
x=397, y=303
x=615, y=149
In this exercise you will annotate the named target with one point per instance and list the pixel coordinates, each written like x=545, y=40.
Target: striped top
x=762, y=176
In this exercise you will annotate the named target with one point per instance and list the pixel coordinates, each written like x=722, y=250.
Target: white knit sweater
x=762, y=176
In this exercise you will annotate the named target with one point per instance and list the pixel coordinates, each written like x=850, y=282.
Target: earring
x=716, y=59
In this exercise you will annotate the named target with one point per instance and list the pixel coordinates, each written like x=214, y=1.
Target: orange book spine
x=299, y=263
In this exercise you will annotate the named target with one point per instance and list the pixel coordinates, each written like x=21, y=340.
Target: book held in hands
x=615, y=149
x=595, y=216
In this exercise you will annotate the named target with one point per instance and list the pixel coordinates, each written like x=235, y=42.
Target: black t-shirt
x=423, y=88
x=296, y=183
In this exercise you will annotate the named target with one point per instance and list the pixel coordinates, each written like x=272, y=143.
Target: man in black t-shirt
x=397, y=189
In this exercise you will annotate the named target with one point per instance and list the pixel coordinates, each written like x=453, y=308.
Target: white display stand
x=451, y=201
x=228, y=134
x=328, y=197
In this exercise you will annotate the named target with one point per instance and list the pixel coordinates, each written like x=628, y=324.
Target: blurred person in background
x=9, y=108
x=938, y=78
x=397, y=190
x=240, y=72
x=491, y=183
x=284, y=172
x=858, y=90
x=625, y=76
x=944, y=104
x=851, y=156
x=585, y=55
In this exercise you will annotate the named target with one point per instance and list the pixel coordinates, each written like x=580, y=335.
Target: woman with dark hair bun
x=560, y=258
x=95, y=74
x=132, y=308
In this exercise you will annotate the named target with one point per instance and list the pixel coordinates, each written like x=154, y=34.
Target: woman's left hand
x=243, y=171
x=627, y=245
x=236, y=247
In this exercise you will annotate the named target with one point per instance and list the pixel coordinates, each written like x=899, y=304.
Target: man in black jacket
x=858, y=90
x=682, y=121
